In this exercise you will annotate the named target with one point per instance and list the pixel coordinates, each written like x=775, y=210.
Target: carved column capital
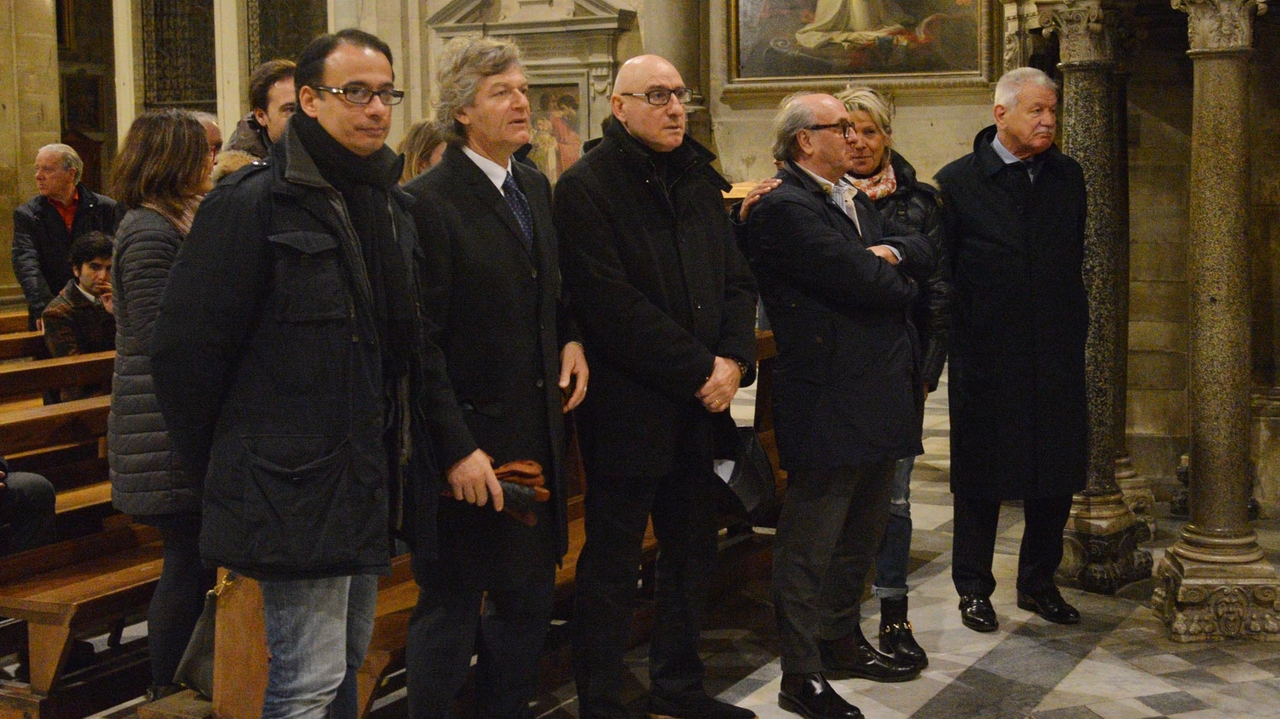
x=1020, y=19
x=1082, y=28
x=1220, y=24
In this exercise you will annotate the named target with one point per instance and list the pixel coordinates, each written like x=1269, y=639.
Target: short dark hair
x=310, y=69
x=89, y=247
x=264, y=77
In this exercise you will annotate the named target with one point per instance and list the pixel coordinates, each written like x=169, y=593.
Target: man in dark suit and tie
x=492, y=292
x=837, y=283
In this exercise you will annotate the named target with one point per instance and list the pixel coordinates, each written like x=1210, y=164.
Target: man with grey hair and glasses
x=666, y=304
x=491, y=290
x=1014, y=210
x=45, y=226
x=838, y=283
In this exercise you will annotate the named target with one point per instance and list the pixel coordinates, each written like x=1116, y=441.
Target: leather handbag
x=195, y=669
x=748, y=492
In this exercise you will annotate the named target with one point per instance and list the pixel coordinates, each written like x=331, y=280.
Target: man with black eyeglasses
x=666, y=305
x=295, y=376
x=838, y=283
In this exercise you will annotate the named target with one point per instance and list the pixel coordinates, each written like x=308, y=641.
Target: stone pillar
x=29, y=114
x=1102, y=534
x=675, y=30
x=1020, y=18
x=1214, y=582
x=1138, y=490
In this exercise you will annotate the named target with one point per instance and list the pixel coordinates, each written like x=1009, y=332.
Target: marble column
x=1138, y=491
x=1102, y=534
x=1214, y=582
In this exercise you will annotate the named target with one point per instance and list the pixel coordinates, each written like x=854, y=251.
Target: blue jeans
x=318, y=631
x=895, y=545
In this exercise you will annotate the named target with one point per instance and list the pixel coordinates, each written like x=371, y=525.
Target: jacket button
x=533, y=273
x=540, y=384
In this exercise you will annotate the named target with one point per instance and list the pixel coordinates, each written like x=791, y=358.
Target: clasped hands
x=721, y=386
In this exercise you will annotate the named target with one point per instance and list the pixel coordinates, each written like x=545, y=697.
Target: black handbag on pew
x=195, y=669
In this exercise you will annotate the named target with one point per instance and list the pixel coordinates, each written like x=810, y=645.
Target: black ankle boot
x=896, y=638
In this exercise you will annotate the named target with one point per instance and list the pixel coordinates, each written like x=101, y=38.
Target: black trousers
x=827, y=537
x=442, y=636
x=617, y=512
x=974, y=544
x=178, y=600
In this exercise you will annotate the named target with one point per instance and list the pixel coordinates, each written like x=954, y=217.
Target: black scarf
x=365, y=184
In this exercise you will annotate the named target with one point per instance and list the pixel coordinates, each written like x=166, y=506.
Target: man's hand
x=472, y=480
x=760, y=190
x=39, y=324
x=720, y=388
x=573, y=376
x=107, y=303
x=884, y=253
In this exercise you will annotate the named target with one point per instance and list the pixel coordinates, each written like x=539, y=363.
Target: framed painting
x=559, y=127
x=82, y=102
x=786, y=45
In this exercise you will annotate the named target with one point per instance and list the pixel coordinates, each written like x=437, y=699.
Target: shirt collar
x=496, y=173
x=87, y=296
x=1008, y=157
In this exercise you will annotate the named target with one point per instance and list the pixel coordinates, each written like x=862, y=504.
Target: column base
x=1139, y=495
x=1204, y=601
x=1100, y=541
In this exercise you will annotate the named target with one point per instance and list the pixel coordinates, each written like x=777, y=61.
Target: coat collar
x=689, y=156
x=990, y=162
x=300, y=171
x=461, y=166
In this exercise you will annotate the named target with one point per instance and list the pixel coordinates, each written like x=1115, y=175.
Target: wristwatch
x=742, y=367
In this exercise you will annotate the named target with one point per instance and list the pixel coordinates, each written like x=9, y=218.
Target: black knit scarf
x=365, y=184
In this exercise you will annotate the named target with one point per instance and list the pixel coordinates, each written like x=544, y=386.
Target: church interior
x=1170, y=106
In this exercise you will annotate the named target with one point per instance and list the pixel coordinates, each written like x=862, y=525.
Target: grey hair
x=465, y=62
x=864, y=99
x=70, y=158
x=793, y=116
x=1012, y=83
x=205, y=118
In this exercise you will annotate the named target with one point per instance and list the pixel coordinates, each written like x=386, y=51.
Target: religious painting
x=881, y=39
x=82, y=102
x=559, y=127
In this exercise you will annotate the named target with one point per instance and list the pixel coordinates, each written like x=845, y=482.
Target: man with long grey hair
x=1015, y=215
x=491, y=290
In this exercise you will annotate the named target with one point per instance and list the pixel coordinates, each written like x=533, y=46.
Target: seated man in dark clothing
x=27, y=506
x=80, y=320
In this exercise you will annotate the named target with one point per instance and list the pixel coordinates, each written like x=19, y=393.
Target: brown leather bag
x=522, y=486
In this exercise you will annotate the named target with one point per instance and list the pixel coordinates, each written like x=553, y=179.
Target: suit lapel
x=485, y=193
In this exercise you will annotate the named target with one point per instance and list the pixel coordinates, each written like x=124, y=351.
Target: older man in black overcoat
x=492, y=292
x=838, y=282
x=1015, y=218
x=667, y=309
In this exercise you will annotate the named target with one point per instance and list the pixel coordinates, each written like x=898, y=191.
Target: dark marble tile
x=1066, y=713
x=1270, y=665
x=979, y=694
x=1194, y=678
x=1173, y=703
x=1208, y=656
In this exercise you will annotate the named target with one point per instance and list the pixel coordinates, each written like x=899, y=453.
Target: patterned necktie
x=520, y=208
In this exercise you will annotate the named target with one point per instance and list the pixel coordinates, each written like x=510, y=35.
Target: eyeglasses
x=361, y=95
x=661, y=96
x=844, y=126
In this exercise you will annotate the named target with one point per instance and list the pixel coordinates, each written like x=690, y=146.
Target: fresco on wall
x=557, y=128
x=806, y=38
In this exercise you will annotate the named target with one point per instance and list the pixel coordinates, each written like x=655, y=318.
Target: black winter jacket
x=918, y=205
x=41, y=243
x=1016, y=382
x=146, y=476
x=847, y=385
x=270, y=373
x=659, y=290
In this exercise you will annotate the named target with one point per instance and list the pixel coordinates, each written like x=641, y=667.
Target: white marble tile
x=1161, y=663
x=1123, y=709
x=929, y=516
x=1108, y=680
x=1248, y=651
x=1236, y=673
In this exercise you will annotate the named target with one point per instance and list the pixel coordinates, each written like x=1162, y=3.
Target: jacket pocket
x=309, y=280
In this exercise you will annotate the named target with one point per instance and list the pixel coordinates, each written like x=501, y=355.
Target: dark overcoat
x=269, y=370
x=495, y=311
x=41, y=242
x=660, y=289
x=847, y=384
x=1019, y=320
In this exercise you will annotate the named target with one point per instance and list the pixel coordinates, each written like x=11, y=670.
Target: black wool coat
x=659, y=289
x=1019, y=321
x=847, y=384
x=495, y=311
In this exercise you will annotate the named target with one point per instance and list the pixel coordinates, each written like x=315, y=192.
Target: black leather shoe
x=695, y=706
x=809, y=695
x=977, y=613
x=855, y=656
x=896, y=637
x=1050, y=605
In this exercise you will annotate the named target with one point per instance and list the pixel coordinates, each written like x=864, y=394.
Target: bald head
x=660, y=127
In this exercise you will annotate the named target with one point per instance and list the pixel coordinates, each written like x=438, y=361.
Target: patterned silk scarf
x=881, y=184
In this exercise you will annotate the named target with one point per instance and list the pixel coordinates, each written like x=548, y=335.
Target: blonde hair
x=465, y=62
x=864, y=99
x=418, y=143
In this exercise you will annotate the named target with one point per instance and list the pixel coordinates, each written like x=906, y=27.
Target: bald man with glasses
x=666, y=305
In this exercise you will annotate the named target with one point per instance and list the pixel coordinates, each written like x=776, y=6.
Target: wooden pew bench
x=23, y=344
x=13, y=321
x=36, y=376
x=66, y=589
x=61, y=442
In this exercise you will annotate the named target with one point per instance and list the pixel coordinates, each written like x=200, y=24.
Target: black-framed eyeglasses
x=844, y=125
x=361, y=95
x=661, y=96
